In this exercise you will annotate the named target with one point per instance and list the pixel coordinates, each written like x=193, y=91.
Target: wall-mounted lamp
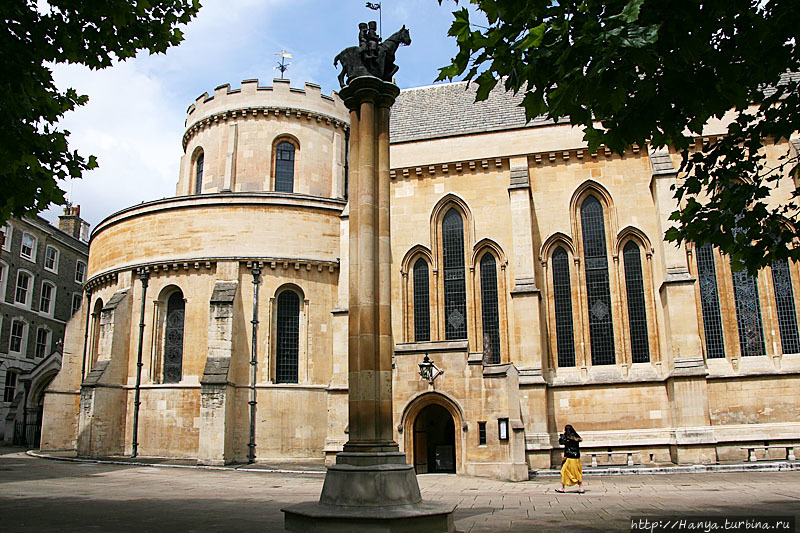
x=428, y=370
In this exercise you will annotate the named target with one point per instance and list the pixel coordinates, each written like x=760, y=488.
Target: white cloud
x=134, y=120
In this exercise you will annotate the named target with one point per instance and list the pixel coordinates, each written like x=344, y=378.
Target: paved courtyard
x=45, y=495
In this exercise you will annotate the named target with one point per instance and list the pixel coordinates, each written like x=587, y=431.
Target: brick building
x=42, y=270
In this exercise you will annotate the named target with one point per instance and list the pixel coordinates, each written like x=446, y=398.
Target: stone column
x=371, y=487
x=370, y=443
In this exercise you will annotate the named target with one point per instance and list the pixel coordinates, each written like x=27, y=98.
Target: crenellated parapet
x=252, y=101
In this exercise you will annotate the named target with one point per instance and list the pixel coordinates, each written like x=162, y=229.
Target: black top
x=572, y=449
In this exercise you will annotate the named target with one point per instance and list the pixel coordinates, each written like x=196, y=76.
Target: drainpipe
x=144, y=276
x=86, y=332
x=251, y=454
x=346, y=163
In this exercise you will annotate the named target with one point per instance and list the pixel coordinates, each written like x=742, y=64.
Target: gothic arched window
x=173, y=338
x=288, y=337
x=637, y=310
x=784, y=301
x=748, y=313
x=198, y=174
x=422, y=319
x=284, y=167
x=455, y=290
x=598, y=295
x=562, y=295
x=709, y=300
x=491, y=321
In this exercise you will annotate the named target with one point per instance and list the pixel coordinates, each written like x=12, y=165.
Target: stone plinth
x=370, y=488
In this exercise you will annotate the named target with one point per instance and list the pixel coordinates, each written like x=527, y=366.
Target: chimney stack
x=72, y=224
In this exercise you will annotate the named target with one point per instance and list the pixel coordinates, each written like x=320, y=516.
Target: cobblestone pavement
x=46, y=495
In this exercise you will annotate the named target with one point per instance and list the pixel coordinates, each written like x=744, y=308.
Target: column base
x=370, y=492
x=310, y=517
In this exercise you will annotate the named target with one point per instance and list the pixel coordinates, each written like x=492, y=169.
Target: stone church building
x=531, y=272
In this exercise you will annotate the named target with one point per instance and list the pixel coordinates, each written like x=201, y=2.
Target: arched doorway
x=434, y=440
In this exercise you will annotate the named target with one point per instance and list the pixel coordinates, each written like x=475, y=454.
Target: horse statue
x=383, y=67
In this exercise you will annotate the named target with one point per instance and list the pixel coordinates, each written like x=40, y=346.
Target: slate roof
x=450, y=109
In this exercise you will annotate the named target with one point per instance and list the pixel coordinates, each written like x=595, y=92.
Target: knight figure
x=372, y=57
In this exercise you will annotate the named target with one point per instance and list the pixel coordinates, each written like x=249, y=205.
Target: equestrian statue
x=371, y=57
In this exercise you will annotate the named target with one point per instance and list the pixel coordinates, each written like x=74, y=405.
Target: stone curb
x=40, y=455
x=782, y=466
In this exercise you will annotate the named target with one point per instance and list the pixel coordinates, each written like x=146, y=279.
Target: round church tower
x=236, y=283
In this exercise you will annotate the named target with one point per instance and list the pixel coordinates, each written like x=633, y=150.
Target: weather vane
x=282, y=65
x=376, y=6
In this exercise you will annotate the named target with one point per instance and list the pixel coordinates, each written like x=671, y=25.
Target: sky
x=134, y=120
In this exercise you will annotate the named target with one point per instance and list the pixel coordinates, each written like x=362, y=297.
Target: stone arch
x=607, y=347
x=284, y=291
x=625, y=237
x=94, y=332
x=633, y=233
x=295, y=142
x=415, y=407
x=197, y=170
x=552, y=242
x=500, y=263
x=490, y=245
x=167, y=332
x=437, y=214
x=414, y=254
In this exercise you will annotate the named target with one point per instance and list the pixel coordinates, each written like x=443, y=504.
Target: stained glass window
x=491, y=322
x=748, y=313
x=198, y=180
x=288, y=337
x=784, y=301
x=601, y=326
x=455, y=289
x=173, y=338
x=709, y=299
x=284, y=167
x=422, y=318
x=637, y=312
x=562, y=294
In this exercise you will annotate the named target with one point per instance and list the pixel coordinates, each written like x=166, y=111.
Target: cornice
x=254, y=112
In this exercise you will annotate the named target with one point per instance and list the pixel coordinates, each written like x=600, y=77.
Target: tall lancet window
x=173, y=338
x=748, y=313
x=198, y=174
x=284, y=167
x=637, y=311
x=709, y=299
x=455, y=289
x=784, y=301
x=562, y=294
x=491, y=322
x=422, y=317
x=288, y=337
x=598, y=295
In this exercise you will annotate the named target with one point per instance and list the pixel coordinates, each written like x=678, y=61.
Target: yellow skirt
x=571, y=472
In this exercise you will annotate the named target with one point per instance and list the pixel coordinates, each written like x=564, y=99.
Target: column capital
x=369, y=89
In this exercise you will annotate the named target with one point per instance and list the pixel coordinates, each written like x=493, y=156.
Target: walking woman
x=571, y=469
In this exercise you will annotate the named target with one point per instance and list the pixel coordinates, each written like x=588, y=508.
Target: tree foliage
x=34, y=151
x=650, y=72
